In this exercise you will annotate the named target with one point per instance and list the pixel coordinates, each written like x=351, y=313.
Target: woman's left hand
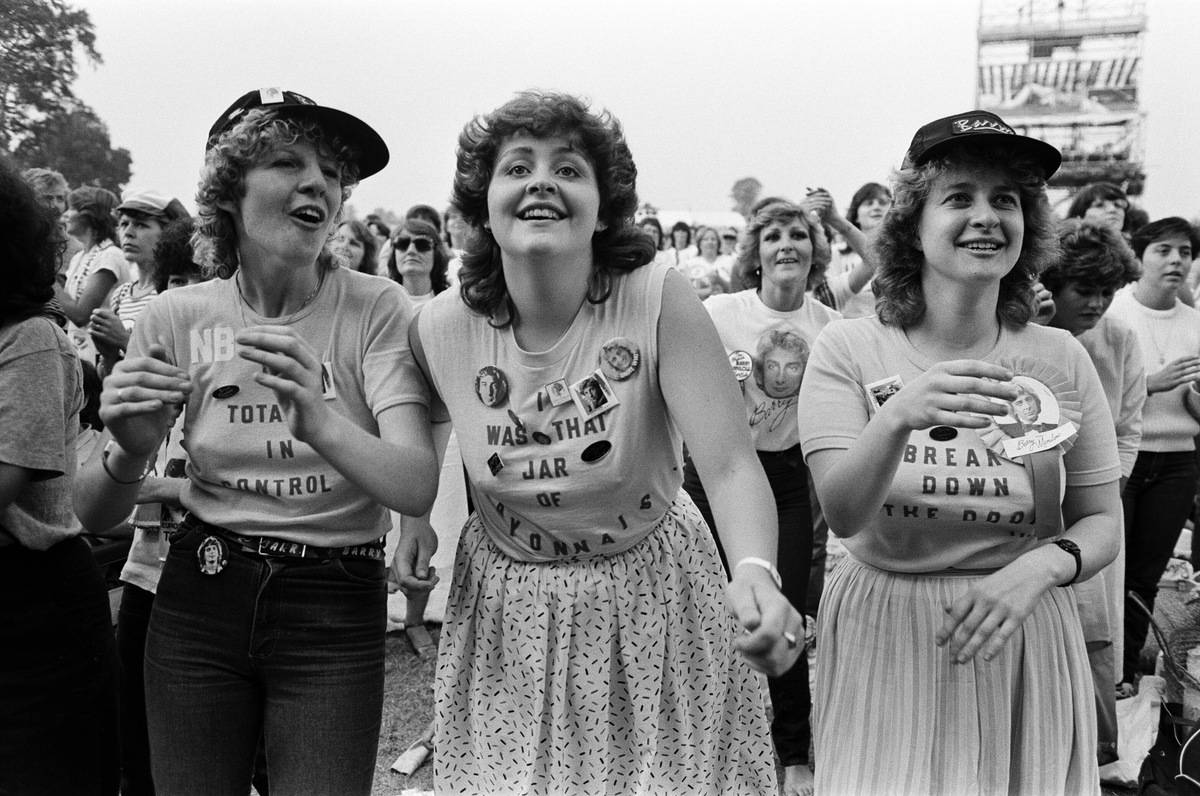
x=292, y=370
x=773, y=631
x=993, y=608
x=107, y=330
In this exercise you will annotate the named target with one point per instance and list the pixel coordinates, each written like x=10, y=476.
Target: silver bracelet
x=765, y=564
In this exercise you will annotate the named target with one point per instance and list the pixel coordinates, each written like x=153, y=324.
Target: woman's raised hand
x=108, y=332
x=957, y=393
x=141, y=399
x=290, y=369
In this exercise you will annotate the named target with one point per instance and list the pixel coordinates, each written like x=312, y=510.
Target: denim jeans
x=791, y=699
x=58, y=674
x=132, y=622
x=1157, y=500
x=291, y=648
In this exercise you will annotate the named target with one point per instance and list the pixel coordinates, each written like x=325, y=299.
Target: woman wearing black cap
x=948, y=657
x=305, y=421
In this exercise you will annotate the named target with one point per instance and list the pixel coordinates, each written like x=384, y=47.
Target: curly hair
x=870, y=190
x=1093, y=256
x=1168, y=227
x=899, y=300
x=781, y=211
x=370, y=246
x=173, y=255
x=1098, y=192
x=441, y=256
x=29, y=247
x=618, y=247
x=223, y=179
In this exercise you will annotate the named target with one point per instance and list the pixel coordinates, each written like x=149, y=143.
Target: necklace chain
x=307, y=299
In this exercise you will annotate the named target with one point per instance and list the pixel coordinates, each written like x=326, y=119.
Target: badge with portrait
x=593, y=395
x=1036, y=421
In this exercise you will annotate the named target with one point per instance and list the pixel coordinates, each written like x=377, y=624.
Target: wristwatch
x=1072, y=548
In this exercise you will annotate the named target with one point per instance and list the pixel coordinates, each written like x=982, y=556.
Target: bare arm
x=853, y=482
x=995, y=606
x=711, y=419
x=95, y=290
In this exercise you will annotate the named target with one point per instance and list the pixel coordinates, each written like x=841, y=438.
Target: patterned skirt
x=894, y=715
x=612, y=675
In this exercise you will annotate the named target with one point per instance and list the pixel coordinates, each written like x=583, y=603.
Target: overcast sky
x=794, y=92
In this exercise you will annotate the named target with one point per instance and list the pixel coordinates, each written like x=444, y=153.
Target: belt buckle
x=277, y=548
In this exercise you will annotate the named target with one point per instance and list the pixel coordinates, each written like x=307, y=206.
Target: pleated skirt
x=894, y=715
x=613, y=675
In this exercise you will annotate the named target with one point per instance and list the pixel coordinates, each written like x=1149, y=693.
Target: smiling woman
x=983, y=656
x=587, y=594
x=306, y=420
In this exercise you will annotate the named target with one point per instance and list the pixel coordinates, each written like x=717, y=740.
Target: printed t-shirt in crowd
x=777, y=344
x=955, y=501
x=569, y=452
x=1163, y=336
x=104, y=256
x=1114, y=350
x=41, y=393
x=245, y=470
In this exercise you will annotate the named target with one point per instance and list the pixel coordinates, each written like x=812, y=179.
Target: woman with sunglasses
x=419, y=260
x=305, y=421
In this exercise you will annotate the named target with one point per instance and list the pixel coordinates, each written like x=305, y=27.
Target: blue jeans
x=291, y=648
x=58, y=674
x=791, y=699
x=1157, y=500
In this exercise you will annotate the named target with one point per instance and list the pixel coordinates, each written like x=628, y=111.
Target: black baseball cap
x=935, y=138
x=373, y=152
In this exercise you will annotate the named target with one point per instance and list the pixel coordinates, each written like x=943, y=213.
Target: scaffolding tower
x=1067, y=71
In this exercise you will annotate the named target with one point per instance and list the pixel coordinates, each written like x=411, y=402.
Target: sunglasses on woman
x=423, y=245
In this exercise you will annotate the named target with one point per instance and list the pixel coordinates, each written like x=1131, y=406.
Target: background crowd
x=243, y=394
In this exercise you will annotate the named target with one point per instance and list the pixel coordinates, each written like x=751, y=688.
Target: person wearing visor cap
x=948, y=656
x=141, y=217
x=306, y=420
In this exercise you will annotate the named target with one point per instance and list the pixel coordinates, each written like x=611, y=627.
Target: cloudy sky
x=798, y=93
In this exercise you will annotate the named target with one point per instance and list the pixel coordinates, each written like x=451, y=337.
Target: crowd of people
x=992, y=408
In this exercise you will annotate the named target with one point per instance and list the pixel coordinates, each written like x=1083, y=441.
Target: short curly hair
x=223, y=179
x=781, y=211
x=618, y=247
x=1093, y=256
x=899, y=300
x=415, y=225
x=29, y=247
x=173, y=255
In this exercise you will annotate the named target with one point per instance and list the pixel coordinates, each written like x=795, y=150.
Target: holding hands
x=773, y=631
x=108, y=333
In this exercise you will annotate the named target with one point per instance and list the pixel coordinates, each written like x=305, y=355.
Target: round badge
x=212, y=555
x=742, y=364
x=619, y=358
x=491, y=386
x=228, y=391
x=541, y=438
x=596, y=451
x=942, y=433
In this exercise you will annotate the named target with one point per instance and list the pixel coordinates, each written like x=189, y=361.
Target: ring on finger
x=791, y=639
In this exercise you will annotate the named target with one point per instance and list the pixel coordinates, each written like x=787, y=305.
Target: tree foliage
x=39, y=43
x=74, y=141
